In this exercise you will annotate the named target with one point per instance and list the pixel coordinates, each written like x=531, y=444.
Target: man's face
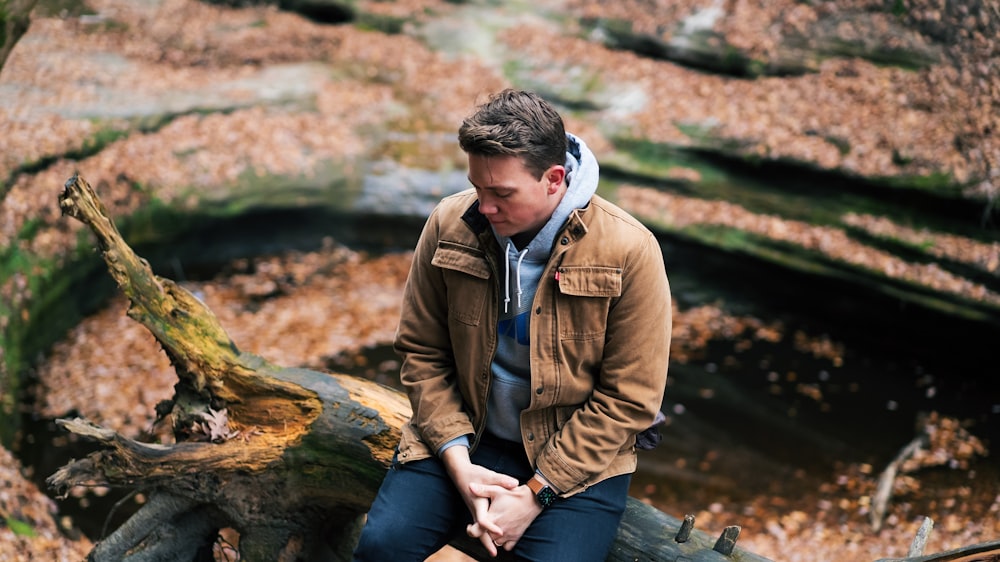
x=513, y=200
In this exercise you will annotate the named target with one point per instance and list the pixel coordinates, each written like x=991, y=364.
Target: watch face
x=546, y=496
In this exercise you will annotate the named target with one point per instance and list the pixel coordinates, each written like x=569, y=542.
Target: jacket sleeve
x=422, y=339
x=629, y=386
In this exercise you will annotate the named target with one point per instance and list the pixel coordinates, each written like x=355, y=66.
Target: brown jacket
x=600, y=339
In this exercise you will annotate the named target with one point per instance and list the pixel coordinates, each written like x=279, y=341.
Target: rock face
x=840, y=156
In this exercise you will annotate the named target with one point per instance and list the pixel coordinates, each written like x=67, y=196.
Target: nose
x=486, y=206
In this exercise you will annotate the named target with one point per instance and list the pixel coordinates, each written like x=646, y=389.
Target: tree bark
x=289, y=458
x=15, y=18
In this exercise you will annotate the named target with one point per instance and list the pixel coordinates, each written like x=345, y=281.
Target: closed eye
x=498, y=193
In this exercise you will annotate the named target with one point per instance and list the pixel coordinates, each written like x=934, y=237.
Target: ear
x=554, y=177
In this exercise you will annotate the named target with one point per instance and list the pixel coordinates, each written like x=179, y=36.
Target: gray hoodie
x=509, y=393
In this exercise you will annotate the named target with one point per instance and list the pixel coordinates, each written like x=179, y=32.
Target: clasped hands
x=501, y=508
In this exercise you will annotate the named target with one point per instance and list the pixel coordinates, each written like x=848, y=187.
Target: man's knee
x=387, y=531
x=379, y=543
x=375, y=543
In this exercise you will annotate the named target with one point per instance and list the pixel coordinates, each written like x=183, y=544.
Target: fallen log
x=983, y=552
x=288, y=458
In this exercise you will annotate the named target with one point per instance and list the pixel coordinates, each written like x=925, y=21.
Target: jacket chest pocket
x=466, y=276
x=586, y=294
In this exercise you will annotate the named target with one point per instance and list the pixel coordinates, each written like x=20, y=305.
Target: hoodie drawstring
x=517, y=272
x=506, y=278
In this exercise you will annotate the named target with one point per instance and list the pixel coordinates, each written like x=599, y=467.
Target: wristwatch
x=545, y=495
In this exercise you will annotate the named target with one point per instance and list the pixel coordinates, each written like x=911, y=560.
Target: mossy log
x=289, y=458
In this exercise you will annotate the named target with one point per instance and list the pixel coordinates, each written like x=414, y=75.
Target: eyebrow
x=493, y=187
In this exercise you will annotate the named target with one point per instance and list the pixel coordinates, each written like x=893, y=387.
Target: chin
x=502, y=229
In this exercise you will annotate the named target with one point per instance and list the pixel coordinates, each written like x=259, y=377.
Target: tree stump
x=289, y=458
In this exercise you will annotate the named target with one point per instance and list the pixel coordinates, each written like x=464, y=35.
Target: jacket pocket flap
x=464, y=259
x=590, y=281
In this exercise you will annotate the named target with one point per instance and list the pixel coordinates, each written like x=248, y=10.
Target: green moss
x=30, y=228
x=735, y=61
x=656, y=160
x=899, y=8
x=391, y=25
x=107, y=26
x=791, y=256
x=329, y=186
x=843, y=145
x=793, y=188
x=704, y=135
x=62, y=8
x=53, y=301
x=156, y=222
x=942, y=183
x=106, y=133
x=20, y=528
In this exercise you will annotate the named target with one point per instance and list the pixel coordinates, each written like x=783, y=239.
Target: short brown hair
x=516, y=123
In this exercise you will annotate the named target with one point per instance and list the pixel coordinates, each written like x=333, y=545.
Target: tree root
x=167, y=528
x=883, y=491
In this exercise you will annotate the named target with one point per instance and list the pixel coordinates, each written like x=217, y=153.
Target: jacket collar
x=476, y=220
x=575, y=226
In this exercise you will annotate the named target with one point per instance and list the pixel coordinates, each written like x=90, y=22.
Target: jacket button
x=538, y=310
x=531, y=436
x=564, y=241
x=539, y=390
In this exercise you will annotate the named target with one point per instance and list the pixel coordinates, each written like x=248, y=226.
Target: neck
x=522, y=239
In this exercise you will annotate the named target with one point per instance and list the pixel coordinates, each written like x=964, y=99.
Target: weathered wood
x=920, y=540
x=297, y=452
x=289, y=458
x=727, y=540
x=684, y=533
x=160, y=513
x=982, y=552
x=886, y=480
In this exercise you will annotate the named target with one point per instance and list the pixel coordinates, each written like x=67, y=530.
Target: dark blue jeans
x=418, y=510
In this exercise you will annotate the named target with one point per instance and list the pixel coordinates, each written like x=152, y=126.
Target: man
x=534, y=332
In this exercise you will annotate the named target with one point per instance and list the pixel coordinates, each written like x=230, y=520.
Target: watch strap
x=535, y=485
x=543, y=493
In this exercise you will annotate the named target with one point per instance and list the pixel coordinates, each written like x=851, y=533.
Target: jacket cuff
x=547, y=480
x=560, y=475
x=440, y=432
